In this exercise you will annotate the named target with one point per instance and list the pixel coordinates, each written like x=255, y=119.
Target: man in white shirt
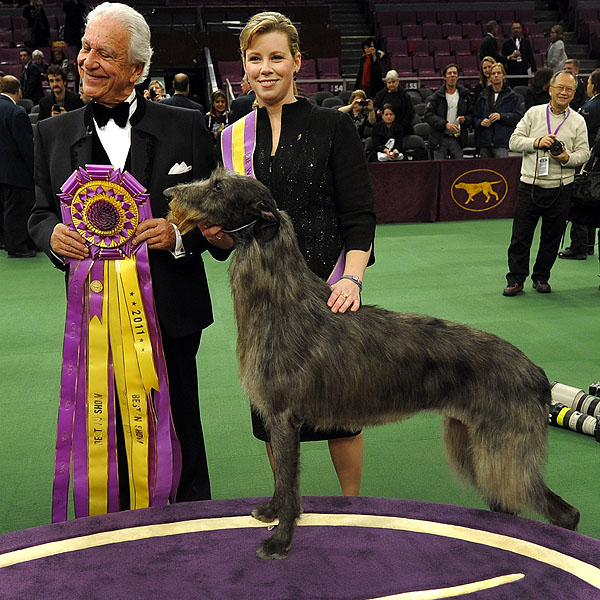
x=161, y=146
x=553, y=139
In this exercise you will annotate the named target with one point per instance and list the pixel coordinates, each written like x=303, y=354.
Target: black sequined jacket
x=319, y=176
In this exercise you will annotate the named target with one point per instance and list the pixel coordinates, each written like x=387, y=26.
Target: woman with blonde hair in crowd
x=485, y=67
x=556, y=54
x=312, y=160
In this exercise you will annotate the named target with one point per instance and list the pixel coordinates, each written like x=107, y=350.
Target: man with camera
x=553, y=140
x=60, y=100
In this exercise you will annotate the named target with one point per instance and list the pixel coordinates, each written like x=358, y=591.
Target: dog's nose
x=168, y=193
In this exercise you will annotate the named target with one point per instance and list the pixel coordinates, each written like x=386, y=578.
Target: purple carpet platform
x=344, y=548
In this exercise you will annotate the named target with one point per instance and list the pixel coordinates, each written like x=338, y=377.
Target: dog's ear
x=268, y=221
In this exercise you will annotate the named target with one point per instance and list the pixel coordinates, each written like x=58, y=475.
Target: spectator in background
x=75, y=11
x=370, y=71
x=572, y=65
x=546, y=183
x=217, y=118
x=556, y=54
x=37, y=56
x=243, y=104
x=449, y=114
x=155, y=91
x=485, y=68
x=31, y=80
x=496, y=114
x=16, y=171
x=583, y=237
x=395, y=95
x=181, y=86
x=387, y=137
x=59, y=58
x=37, y=24
x=60, y=100
x=538, y=93
x=489, y=44
x=359, y=108
x=518, y=53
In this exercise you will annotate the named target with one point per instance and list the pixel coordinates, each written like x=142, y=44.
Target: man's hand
x=158, y=233
x=68, y=243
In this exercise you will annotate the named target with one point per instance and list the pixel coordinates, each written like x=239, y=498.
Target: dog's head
x=235, y=202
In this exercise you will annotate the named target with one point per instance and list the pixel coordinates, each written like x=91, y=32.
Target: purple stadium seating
x=397, y=46
x=412, y=32
x=432, y=31
x=439, y=47
x=420, y=47
x=452, y=30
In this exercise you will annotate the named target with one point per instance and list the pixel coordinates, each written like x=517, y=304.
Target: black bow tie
x=119, y=113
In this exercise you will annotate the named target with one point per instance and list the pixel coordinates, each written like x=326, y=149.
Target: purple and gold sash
x=112, y=349
x=238, y=142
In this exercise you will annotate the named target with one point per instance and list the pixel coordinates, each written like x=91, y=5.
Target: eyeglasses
x=563, y=88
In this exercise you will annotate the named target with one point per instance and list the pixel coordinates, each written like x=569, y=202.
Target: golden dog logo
x=479, y=190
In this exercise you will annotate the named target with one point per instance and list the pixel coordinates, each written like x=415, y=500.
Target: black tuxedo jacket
x=514, y=67
x=72, y=101
x=16, y=145
x=161, y=136
x=31, y=83
x=183, y=102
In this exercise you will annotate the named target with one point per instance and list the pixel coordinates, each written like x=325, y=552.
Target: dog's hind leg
x=458, y=448
x=559, y=512
x=286, y=502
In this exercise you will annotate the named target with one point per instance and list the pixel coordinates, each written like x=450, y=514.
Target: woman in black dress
x=312, y=160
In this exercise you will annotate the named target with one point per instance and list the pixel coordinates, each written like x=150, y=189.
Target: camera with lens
x=363, y=102
x=556, y=148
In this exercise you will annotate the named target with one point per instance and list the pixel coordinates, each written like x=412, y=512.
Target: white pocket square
x=179, y=168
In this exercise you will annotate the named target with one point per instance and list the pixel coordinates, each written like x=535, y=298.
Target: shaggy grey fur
x=295, y=356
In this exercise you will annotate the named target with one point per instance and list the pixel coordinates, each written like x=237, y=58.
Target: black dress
x=319, y=176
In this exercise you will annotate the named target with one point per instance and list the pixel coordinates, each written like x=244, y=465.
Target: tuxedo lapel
x=80, y=140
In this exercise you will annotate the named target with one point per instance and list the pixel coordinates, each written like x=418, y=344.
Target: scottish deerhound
x=300, y=363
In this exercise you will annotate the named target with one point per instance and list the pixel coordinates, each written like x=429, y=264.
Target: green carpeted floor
x=450, y=270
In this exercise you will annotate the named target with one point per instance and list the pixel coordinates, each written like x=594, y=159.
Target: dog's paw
x=272, y=549
x=265, y=513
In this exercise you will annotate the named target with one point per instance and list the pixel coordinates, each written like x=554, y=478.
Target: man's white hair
x=140, y=50
x=37, y=53
x=392, y=75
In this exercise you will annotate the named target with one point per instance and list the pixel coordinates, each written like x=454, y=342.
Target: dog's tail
x=506, y=467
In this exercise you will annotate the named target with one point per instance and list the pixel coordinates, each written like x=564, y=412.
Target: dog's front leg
x=286, y=503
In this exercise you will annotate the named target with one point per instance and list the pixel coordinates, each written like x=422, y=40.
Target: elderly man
x=395, y=95
x=16, y=171
x=60, y=100
x=161, y=146
x=553, y=139
x=181, y=85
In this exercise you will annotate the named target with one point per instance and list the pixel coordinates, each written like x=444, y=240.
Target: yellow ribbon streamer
x=238, y=146
x=97, y=410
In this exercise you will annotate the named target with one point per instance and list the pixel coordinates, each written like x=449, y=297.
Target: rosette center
x=103, y=216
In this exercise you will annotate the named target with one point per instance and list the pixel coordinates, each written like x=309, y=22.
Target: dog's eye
x=217, y=187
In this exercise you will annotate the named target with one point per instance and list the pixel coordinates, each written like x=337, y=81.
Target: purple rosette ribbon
x=105, y=207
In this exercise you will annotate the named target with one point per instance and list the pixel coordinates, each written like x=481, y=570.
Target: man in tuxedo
x=31, y=80
x=60, y=100
x=489, y=44
x=161, y=146
x=518, y=54
x=572, y=65
x=181, y=85
x=16, y=171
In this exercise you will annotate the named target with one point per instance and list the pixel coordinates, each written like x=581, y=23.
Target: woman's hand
x=215, y=235
x=345, y=294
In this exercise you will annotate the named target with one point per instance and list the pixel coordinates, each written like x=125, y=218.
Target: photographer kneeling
x=553, y=140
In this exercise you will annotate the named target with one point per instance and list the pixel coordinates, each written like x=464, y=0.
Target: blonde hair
x=268, y=22
x=357, y=93
x=500, y=66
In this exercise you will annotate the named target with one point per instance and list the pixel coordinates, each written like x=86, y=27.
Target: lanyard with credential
x=561, y=123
